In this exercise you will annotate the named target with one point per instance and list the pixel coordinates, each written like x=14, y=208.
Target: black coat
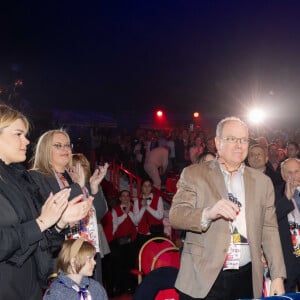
x=24, y=249
x=283, y=208
x=49, y=184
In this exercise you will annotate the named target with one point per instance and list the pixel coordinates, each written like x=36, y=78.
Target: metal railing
x=135, y=182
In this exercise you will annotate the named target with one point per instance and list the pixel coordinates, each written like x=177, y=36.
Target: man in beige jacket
x=228, y=212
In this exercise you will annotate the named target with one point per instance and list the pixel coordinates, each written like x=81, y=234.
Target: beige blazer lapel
x=217, y=179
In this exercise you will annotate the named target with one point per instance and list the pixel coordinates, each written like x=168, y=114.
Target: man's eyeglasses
x=60, y=146
x=233, y=140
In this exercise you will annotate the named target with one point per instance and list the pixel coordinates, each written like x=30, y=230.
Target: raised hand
x=97, y=177
x=53, y=208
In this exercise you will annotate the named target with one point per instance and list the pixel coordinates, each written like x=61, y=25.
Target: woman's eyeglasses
x=60, y=146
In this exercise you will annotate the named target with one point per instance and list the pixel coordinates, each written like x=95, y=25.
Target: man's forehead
x=234, y=125
x=292, y=165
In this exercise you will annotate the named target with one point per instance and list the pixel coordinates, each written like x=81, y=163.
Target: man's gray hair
x=282, y=164
x=224, y=121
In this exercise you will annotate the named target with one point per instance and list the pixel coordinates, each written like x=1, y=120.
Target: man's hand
x=222, y=209
x=277, y=287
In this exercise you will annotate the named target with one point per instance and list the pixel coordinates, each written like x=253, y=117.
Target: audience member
x=139, y=157
x=281, y=155
x=288, y=215
x=203, y=157
x=123, y=252
x=292, y=150
x=88, y=227
x=196, y=149
x=27, y=220
x=210, y=145
x=172, y=154
x=75, y=265
x=257, y=159
x=229, y=214
x=182, y=150
x=273, y=157
x=148, y=213
x=263, y=141
x=156, y=164
x=52, y=162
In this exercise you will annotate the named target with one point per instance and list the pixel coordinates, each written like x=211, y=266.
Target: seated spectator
x=75, y=265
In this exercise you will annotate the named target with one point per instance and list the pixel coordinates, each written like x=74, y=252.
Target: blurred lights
x=196, y=114
x=159, y=113
x=18, y=82
x=256, y=116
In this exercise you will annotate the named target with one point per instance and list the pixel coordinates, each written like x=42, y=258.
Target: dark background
x=217, y=57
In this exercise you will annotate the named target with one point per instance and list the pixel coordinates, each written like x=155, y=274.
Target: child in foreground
x=75, y=264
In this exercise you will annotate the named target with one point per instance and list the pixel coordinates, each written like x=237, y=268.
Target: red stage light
x=159, y=113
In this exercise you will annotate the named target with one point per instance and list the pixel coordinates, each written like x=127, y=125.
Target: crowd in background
x=151, y=154
x=266, y=153
x=184, y=146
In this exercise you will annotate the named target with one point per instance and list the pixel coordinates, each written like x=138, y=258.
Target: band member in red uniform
x=123, y=246
x=149, y=213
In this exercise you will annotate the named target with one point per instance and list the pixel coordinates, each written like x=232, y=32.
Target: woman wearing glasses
x=27, y=220
x=52, y=172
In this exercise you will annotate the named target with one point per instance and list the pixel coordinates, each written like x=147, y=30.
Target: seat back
x=149, y=252
x=168, y=257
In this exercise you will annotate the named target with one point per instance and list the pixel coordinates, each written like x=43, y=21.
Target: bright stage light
x=159, y=113
x=256, y=116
